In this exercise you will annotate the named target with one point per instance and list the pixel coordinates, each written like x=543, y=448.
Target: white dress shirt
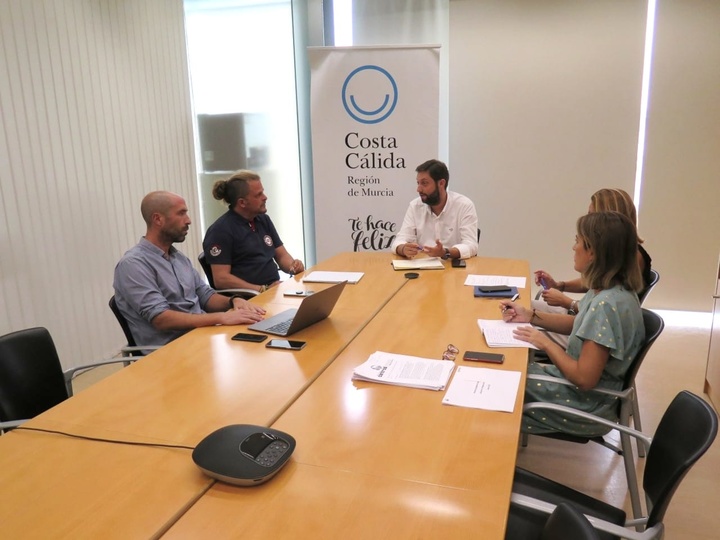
x=456, y=226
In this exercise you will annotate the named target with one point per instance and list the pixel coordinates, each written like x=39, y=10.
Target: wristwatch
x=447, y=254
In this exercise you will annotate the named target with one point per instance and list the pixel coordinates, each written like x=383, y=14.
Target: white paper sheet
x=319, y=276
x=483, y=388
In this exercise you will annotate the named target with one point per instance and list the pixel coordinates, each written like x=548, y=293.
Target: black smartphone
x=285, y=344
x=494, y=288
x=476, y=356
x=458, y=263
x=255, y=338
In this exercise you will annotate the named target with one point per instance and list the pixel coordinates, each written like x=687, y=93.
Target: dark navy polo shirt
x=249, y=251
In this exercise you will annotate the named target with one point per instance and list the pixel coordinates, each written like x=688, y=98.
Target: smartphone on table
x=494, y=288
x=458, y=263
x=477, y=356
x=253, y=338
x=298, y=293
x=288, y=344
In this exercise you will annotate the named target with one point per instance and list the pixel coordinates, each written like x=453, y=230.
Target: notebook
x=424, y=263
x=313, y=308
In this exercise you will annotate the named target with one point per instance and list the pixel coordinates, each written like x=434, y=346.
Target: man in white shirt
x=440, y=223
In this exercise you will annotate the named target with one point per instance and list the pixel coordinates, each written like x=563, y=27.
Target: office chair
x=31, y=377
x=245, y=293
x=131, y=350
x=642, y=295
x=566, y=523
x=627, y=408
x=478, y=235
x=686, y=430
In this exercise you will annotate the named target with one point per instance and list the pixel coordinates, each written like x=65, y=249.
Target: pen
x=515, y=297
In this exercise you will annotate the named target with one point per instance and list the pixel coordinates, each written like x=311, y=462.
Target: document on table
x=510, y=281
x=403, y=370
x=499, y=333
x=319, y=276
x=423, y=263
x=483, y=388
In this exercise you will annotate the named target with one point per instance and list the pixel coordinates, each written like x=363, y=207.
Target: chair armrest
x=139, y=349
x=71, y=373
x=622, y=394
x=652, y=533
x=245, y=293
x=12, y=424
x=591, y=417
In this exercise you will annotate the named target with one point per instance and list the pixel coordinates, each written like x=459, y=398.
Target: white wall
x=544, y=110
x=94, y=107
x=680, y=204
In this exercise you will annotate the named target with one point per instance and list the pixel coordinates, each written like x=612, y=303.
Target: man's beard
x=433, y=198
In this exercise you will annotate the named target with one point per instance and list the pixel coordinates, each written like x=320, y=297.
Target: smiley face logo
x=369, y=94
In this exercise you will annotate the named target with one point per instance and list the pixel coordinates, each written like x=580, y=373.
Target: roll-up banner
x=374, y=120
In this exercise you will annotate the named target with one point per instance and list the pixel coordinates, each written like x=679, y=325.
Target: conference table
x=370, y=458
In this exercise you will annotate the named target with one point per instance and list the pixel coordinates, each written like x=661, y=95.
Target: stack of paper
x=333, y=277
x=500, y=333
x=402, y=370
x=423, y=263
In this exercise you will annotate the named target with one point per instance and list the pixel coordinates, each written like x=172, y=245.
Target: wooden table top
x=364, y=448
x=204, y=380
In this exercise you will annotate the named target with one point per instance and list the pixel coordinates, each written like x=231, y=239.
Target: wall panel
x=95, y=112
x=680, y=203
x=544, y=110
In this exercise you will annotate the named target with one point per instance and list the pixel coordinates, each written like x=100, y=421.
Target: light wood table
x=383, y=460
x=176, y=395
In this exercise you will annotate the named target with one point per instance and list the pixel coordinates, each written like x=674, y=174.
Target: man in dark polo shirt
x=242, y=247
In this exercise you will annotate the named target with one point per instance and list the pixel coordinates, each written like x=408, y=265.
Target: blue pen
x=543, y=283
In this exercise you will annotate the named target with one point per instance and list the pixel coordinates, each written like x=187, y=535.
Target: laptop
x=313, y=308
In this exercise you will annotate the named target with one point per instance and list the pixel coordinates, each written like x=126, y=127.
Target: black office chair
x=31, y=377
x=131, y=350
x=245, y=293
x=642, y=295
x=627, y=408
x=686, y=430
x=567, y=523
x=478, y=234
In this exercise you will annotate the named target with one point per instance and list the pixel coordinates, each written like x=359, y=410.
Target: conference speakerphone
x=243, y=454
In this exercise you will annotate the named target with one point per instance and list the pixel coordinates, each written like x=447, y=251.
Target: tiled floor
x=676, y=362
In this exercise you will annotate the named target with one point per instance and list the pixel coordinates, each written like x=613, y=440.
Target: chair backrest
x=207, y=269
x=478, y=234
x=31, y=376
x=642, y=295
x=686, y=431
x=654, y=325
x=123, y=322
x=567, y=522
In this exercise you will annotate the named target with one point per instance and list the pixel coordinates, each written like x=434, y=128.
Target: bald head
x=159, y=202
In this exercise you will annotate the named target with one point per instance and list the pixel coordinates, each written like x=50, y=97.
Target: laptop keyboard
x=280, y=328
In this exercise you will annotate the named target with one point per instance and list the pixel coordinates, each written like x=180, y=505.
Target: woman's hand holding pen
x=545, y=280
x=514, y=312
